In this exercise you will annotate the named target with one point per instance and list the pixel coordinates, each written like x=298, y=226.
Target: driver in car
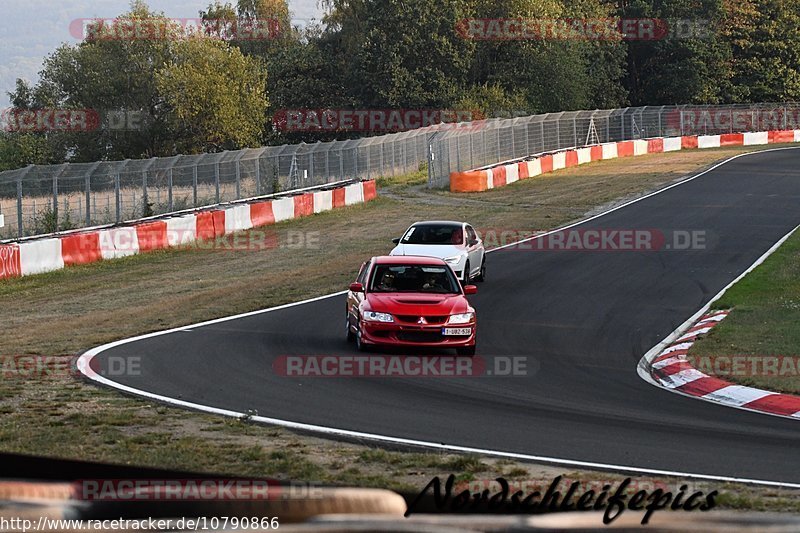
x=433, y=282
x=387, y=281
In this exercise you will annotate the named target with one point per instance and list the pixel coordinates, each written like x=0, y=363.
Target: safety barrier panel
x=53, y=253
x=507, y=173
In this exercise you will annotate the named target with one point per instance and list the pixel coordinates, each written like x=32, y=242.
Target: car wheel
x=360, y=346
x=482, y=273
x=350, y=335
x=466, y=277
x=466, y=350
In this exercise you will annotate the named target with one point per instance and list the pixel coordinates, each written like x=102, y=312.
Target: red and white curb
x=506, y=173
x=672, y=370
x=54, y=252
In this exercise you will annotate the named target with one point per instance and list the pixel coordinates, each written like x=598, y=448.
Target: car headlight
x=453, y=260
x=372, y=316
x=463, y=318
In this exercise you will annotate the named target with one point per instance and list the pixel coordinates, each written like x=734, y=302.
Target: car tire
x=360, y=346
x=350, y=335
x=466, y=350
x=466, y=276
x=482, y=273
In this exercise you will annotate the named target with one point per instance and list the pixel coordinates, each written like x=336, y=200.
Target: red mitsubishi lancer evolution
x=410, y=301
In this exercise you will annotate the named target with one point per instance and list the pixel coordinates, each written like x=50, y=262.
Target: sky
x=31, y=29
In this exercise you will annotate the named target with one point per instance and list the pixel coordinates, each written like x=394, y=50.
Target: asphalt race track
x=583, y=318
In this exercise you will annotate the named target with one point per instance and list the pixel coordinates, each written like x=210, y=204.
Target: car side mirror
x=470, y=289
x=356, y=287
x=396, y=241
x=473, y=242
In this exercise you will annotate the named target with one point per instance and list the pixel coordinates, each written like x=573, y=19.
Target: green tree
x=687, y=66
x=215, y=96
x=402, y=53
x=110, y=75
x=765, y=39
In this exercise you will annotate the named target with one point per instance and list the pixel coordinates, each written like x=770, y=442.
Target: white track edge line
x=85, y=360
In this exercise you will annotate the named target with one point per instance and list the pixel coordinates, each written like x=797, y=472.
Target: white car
x=455, y=242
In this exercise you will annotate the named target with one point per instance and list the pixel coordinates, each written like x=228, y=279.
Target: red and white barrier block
x=54, y=253
x=507, y=173
x=672, y=370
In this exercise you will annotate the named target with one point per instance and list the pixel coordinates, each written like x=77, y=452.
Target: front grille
x=420, y=336
x=414, y=319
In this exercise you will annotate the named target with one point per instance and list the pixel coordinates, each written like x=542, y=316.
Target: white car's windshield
x=434, y=234
x=414, y=278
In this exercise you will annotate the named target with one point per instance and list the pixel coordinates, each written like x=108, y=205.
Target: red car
x=410, y=301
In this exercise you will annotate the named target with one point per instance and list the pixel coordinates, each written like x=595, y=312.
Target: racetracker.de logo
x=749, y=365
x=160, y=29
x=375, y=120
x=400, y=366
x=594, y=240
x=720, y=119
x=45, y=120
x=125, y=490
x=580, y=29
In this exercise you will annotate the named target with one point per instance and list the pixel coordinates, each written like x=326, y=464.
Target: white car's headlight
x=454, y=260
x=372, y=316
x=463, y=318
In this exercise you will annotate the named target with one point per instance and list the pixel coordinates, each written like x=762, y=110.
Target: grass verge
x=65, y=312
x=758, y=344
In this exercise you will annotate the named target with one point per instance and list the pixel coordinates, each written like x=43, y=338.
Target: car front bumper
x=395, y=334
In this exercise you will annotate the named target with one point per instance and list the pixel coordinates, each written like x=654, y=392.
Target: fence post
x=369, y=161
x=258, y=175
x=471, y=150
x=55, y=198
x=169, y=190
x=541, y=130
x=527, y=140
x=238, y=180
x=394, y=164
x=19, y=200
x=574, y=131
x=145, y=204
x=558, y=133
x=88, y=199
x=458, y=154
x=117, y=197
x=216, y=181
x=194, y=185
x=431, y=158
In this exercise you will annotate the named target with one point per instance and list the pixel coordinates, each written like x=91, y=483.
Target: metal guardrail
x=496, y=140
x=50, y=198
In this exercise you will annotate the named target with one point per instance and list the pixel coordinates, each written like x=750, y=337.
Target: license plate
x=456, y=331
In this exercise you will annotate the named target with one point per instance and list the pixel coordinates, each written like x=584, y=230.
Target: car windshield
x=434, y=234
x=414, y=278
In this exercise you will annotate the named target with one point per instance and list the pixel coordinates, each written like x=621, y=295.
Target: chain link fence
x=492, y=141
x=48, y=198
